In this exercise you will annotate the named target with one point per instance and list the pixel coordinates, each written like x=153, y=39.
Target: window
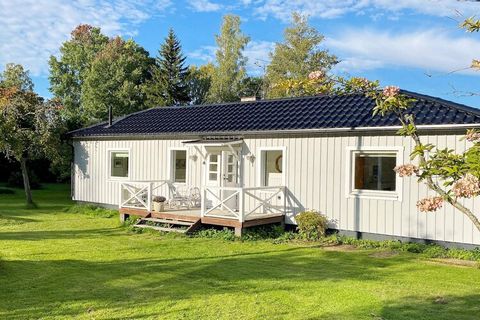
x=272, y=167
x=371, y=172
x=119, y=164
x=375, y=172
x=179, y=166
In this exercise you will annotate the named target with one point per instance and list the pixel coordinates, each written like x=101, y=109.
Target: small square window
x=119, y=164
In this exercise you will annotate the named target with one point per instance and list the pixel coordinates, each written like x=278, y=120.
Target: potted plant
x=159, y=203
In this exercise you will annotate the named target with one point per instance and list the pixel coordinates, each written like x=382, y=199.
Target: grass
x=58, y=262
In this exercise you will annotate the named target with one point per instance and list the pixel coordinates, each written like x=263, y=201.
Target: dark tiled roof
x=318, y=112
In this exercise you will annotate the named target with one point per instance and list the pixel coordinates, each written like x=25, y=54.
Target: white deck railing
x=139, y=194
x=240, y=203
x=235, y=203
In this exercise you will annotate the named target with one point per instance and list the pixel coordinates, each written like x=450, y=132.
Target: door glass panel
x=212, y=176
x=213, y=167
x=213, y=158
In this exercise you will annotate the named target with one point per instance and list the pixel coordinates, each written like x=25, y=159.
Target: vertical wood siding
x=315, y=177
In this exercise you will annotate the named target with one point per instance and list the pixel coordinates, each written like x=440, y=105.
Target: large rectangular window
x=272, y=167
x=179, y=166
x=375, y=172
x=119, y=164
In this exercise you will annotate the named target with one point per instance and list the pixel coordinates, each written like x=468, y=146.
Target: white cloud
x=257, y=53
x=204, y=6
x=431, y=50
x=327, y=9
x=32, y=30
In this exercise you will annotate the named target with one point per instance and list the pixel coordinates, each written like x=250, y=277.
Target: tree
x=297, y=57
x=29, y=126
x=116, y=79
x=230, y=62
x=199, y=82
x=69, y=71
x=168, y=85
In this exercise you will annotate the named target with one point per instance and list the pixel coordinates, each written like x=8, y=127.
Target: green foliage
x=471, y=24
x=169, y=83
x=311, y=225
x=199, y=82
x=16, y=76
x=427, y=250
x=296, y=57
x=92, y=210
x=224, y=234
x=230, y=63
x=15, y=180
x=266, y=232
x=69, y=71
x=116, y=79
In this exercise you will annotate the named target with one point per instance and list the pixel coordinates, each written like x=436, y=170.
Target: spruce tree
x=169, y=83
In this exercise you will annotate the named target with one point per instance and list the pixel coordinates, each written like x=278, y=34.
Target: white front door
x=222, y=170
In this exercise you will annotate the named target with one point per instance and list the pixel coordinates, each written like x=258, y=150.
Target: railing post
x=203, y=202
x=121, y=195
x=241, y=205
x=284, y=189
x=149, y=197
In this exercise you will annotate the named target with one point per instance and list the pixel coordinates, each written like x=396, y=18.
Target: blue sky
x=415, y=44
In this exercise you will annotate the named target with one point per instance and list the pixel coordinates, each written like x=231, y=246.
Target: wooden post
x=241, y=207
x=203, y=202
x=149, y=197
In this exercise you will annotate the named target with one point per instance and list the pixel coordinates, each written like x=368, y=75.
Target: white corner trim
x=109, y=165
x=350, y=192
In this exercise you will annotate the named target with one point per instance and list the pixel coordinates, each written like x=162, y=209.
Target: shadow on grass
x=37, y=287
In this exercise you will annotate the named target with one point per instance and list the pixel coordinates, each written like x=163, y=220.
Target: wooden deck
x=193, y=215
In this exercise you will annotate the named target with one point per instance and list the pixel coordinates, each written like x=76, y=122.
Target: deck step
x=168, y=225
x=169, y=221
x=160, y=228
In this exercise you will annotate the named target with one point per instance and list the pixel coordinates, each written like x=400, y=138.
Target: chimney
x=110, y=116
x=247, y=99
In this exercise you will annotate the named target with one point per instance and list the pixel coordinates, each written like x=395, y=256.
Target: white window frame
x=109, y=156
x=171, y=168
x=350, y=190
x=261, y=164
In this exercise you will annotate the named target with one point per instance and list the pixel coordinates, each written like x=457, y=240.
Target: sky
x=414, y=44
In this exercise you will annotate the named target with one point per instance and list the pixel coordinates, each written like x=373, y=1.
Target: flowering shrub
x=406, y=170
x=391, y=91
x=316, y=75
x=430, y=204
x=472, y=136
x=467, y=187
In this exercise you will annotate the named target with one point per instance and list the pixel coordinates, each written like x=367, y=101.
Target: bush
x=263, y=233
x=224, y=234
x=15, y=180
x=311, y=225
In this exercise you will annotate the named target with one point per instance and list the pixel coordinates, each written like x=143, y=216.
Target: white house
x=248, y=163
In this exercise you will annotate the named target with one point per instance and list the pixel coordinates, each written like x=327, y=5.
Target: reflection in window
x=180, y=165
x=375, y=172
x=119, y=164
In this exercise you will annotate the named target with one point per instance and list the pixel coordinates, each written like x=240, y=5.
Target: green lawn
x=56, y=265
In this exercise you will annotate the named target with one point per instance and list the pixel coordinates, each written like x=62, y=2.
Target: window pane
x=119, y=164
x=375, y=172
x=180, y=170
x=272, y=168
x=212, y=176
x=213, y=158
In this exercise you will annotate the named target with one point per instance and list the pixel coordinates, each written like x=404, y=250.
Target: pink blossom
x=316, y=75
x=472, y=136
x=391, y=91
x=430, y=204
x=406, y=170
x=467, y=187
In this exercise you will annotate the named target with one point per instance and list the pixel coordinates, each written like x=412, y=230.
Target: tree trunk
x=26, y=181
